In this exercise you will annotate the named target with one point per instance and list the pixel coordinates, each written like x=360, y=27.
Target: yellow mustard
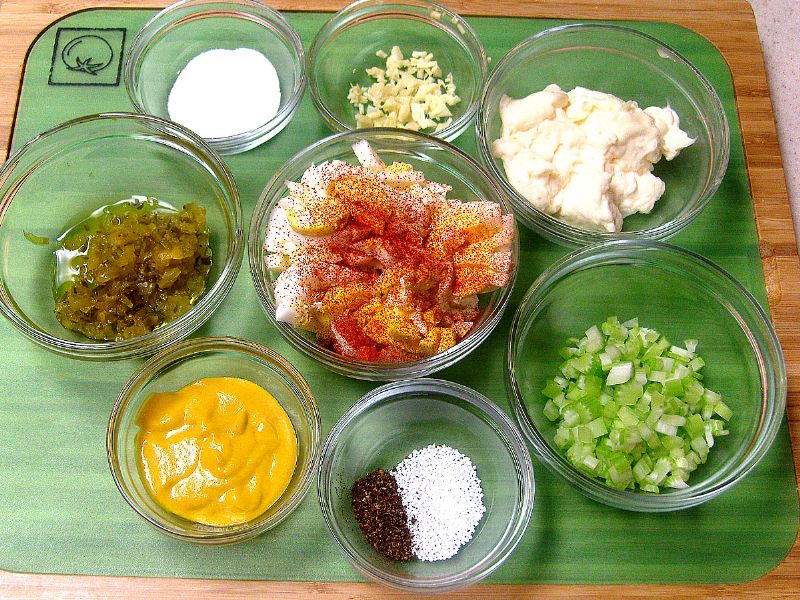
x=219, y=451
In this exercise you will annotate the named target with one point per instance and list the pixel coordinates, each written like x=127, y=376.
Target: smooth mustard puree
x=219, y=451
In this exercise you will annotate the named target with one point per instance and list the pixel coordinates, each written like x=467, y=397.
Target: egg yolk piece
x=219, y=451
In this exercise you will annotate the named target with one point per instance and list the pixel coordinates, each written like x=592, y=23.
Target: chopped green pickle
x=631, y=408
x=36, y=239
x=130, y=267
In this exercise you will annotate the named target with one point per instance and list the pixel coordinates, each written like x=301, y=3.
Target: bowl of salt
x=233, y=72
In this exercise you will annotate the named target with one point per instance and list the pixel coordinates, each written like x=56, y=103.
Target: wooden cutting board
x=730, y=25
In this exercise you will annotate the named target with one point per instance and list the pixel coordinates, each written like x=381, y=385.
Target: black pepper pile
x=380, y=515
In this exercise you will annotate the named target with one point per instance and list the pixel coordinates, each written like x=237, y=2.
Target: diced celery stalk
x=551, y=389
x=582, y=363
x=627, y=416
x=709, y=437
x=642, y=468
x=681, y=352
x=697, y=363
x=673, y=387
x=654, y=416
x=676, y=483
x=594, y=339
x=674, y=420
x=562, y=437
x=694, y=426
x=665, y=428
x=723, y=410
x=584, y=434
x=575, y=393
x=567, y=353
x=699, y=445
x=571, y=418
x=590, y=462
x=628, y=393
x=670, y=441
x=620, y=373
x=551, y=410
x=597, y=427
x=610, y=409
x=681, y=372
x=711, y=398
x=650, y=409
x=717, y=426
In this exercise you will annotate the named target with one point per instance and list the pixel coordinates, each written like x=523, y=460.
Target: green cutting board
x=60, y=511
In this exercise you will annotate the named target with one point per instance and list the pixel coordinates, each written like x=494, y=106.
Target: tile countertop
x=779, y=29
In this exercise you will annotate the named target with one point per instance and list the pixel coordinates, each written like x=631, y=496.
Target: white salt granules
x=443, y=499
x=225, y=92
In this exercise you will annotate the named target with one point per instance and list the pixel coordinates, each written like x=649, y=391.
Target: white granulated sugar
x=443, y=499
x=225, y=92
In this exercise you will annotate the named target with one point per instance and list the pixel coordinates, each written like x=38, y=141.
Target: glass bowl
x=60, y=177
x=384, y=427
x=682, y=295
x=173, y=37
x=182, y=364
x=440, y=162
x=346, y=45
x=632, y=66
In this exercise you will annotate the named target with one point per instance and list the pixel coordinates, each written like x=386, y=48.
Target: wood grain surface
x=730, y=25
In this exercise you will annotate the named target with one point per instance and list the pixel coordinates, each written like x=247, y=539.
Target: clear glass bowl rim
x=208, y=303
x=184, y=351
x=513, y=440
x=164, y=18
x=371, y=9
x=771, y=367
x=551, y=227
x=331, y=360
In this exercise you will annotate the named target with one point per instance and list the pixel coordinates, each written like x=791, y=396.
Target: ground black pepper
x=381, y=516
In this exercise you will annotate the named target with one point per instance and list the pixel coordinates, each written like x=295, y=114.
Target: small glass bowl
x=632, y=66
x=346, y=45
x=168, y=41
x=440, y=162
x=384, y=427
x=60, y=177
x=182, y=364
x=682, y=295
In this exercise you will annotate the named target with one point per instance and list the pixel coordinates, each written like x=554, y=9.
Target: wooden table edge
x=727, y=24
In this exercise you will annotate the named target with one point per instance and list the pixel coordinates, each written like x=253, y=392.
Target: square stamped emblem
x=87, y=56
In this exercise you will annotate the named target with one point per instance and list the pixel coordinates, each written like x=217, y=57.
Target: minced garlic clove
x=409, y=93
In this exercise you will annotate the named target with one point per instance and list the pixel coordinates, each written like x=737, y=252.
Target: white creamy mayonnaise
x=586, y=157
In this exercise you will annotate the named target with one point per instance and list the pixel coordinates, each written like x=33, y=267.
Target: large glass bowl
x=384, y=427
x=632, y=66
x=60, y=177
x=440, y=162
x=346, y=45
x=173, y=37
x=181, y=365
x=683, y=296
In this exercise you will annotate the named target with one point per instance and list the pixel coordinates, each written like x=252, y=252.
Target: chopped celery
x=630, y=407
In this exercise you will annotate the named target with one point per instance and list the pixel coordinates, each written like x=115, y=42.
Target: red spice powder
x=416, y=263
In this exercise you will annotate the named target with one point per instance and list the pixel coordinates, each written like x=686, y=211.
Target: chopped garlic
x=408, y=93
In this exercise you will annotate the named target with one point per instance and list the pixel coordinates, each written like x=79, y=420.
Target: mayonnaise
x=584, y=156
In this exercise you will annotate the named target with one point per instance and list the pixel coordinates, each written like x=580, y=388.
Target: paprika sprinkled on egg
x=379, y=263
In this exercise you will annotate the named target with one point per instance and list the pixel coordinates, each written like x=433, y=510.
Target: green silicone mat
x=60, y=511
